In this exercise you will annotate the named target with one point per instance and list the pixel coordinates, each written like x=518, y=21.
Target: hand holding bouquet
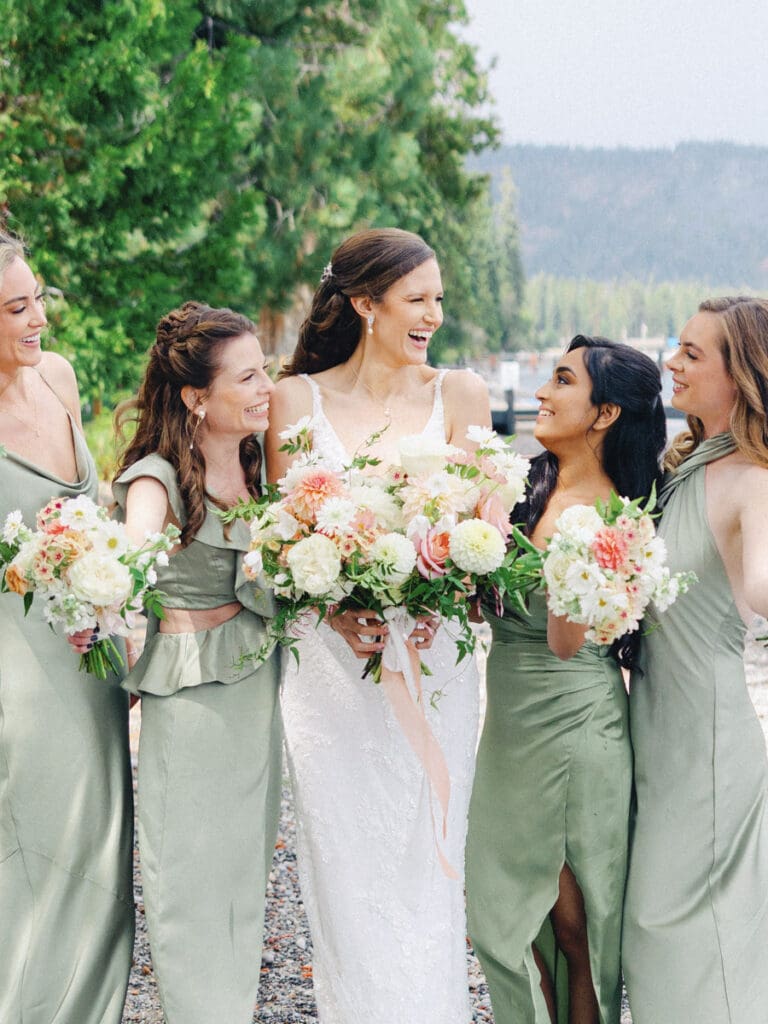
x=604, y=564
x=90, y=575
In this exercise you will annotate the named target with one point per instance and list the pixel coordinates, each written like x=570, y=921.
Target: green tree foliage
x=157, y=150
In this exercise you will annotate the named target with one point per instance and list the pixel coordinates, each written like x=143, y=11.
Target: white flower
x=14, y=528
x=335, y=515
x=315, y=564
x=484, y=437
x=100, y=579
x=579, y=523
x=292, y=432
x=286, y=525
x=396, y=555
x=253, y=564
x=584, y=578
x=476, y=546
x=421, y=455
x=110, y=539
x=82, y=513
x=372, y=494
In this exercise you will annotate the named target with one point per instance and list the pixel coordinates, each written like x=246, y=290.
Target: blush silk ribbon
x=400, y=680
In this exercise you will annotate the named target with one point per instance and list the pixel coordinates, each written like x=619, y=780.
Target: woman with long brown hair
x=209, y=755
x=696, y=912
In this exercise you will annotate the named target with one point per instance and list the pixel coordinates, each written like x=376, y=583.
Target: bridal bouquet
x=418, y=538
x=90, y=575
x=604, y=564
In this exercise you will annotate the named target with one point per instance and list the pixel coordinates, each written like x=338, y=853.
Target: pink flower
x=432, y=552
x=314, y=488
x=610, y=548
x=491, y=509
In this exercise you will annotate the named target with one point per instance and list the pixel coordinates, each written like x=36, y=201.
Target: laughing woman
x=549, y=817
x=209, y=756
x=696, y=916
x=66, y=817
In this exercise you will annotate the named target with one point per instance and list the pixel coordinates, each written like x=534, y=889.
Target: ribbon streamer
x=400, y=679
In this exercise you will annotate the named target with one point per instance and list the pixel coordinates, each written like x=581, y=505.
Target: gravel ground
x=285, y=995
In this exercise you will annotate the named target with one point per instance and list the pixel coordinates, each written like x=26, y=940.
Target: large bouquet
x=604, y=564
x=89, y=574
x=415, y=540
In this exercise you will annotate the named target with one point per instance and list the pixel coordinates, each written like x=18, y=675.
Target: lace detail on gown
x=388, y=926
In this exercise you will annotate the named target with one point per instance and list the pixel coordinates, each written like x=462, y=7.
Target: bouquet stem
x=103, y=658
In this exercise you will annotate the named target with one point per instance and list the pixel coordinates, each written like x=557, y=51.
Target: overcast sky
x=640, y=73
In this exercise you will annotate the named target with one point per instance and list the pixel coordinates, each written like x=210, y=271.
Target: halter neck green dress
x=696, y=916
x=209, y=775
x=552, y=785
x=66, y=814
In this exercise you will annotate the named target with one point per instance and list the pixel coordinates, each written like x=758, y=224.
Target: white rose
x=421, y=455
x=315, y=564
x=476, y=546
x=396, y=555
x=100, y=579
x=580, y=523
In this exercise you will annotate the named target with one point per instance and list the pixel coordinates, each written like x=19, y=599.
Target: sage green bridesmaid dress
x=552, y=786
x=209, y=776
x=696, y=916
x=66, y=814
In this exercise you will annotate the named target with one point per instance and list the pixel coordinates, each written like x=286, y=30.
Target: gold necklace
x=36, y=428
x=387, y=411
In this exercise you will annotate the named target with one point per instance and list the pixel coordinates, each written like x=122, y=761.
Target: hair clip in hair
x=327, y=273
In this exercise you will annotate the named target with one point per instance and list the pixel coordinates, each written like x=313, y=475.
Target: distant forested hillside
x=698, y=212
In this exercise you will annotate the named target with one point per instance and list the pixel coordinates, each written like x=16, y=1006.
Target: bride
x=387, y=921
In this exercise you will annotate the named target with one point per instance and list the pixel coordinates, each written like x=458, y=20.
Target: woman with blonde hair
x=696, y=911
x=66, y=815
x=209, y=754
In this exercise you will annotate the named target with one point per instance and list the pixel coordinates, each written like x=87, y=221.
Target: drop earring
x=370, y=323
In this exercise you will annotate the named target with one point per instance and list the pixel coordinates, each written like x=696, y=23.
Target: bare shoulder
x=292, y=397
x=464, y=385
x=58, y=372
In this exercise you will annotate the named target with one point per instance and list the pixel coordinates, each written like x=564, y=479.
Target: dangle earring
x=370, y=323
x=200, y=418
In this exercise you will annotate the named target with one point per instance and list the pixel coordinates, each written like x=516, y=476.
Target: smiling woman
x=209, y=757
x=66, y=828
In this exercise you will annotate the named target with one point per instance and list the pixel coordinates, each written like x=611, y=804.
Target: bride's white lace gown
x=388, y=925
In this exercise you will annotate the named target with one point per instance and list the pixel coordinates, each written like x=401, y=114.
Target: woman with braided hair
x=209, y=756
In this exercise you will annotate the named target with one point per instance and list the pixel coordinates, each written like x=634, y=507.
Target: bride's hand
x=83, y=641
x=424, y=631
x=363, y=630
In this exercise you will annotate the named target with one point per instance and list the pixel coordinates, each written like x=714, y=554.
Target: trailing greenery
x=153, y=151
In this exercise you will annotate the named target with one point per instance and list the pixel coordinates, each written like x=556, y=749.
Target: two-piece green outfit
x=552, y=786
x=209, y=776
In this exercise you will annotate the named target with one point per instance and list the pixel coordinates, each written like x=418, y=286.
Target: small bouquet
x=418, y=538
x=90, y=575
x=604, y=564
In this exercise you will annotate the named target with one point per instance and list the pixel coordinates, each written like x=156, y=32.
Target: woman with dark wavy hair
x=549, y=816
x=209, y=756
x=696, y=913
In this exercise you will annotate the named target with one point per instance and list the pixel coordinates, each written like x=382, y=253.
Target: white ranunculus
x=396, y=555
x=100, y=579
x=315, y=564
x=421, y=455
x=476, y=546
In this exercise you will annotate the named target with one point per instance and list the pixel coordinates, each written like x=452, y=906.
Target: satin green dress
x=696, y=916
x=552, y=786
x=66, y=812
x=209, y=776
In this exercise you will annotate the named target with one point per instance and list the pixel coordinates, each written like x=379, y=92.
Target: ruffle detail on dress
x=175, y=661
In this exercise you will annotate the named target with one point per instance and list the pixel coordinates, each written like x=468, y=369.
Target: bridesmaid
x=696, y=915
x=209, y=753
x=548, y=820
x=66, y=897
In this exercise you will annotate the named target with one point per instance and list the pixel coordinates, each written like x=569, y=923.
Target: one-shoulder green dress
x=209, y=776
x=696, y=915
x=552, y=786
x=66, y=812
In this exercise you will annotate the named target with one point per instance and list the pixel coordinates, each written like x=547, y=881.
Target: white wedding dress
x=387, y=923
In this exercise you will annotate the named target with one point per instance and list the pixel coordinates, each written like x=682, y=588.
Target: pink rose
x=491, y=509
x=432, y=552
x=611, y=548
